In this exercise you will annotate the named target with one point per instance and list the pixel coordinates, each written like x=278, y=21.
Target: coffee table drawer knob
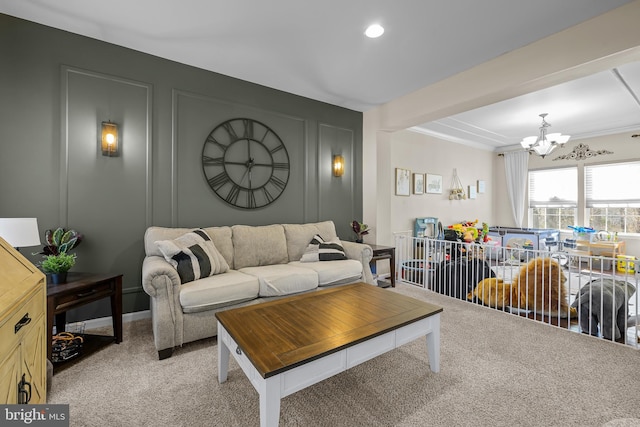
x=238, y=351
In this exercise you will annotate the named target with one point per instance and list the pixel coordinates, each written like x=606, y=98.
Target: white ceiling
x=605, y=103
x=318, y=50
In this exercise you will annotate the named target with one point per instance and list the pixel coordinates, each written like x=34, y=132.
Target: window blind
x=612, y=184
x=553, y=188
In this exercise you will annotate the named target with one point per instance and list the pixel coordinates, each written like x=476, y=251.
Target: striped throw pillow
x=193, y=255
x=320, y=250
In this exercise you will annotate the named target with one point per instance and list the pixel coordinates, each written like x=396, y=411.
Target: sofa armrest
x=162, y=282
x=154, y=267
x=362, y=253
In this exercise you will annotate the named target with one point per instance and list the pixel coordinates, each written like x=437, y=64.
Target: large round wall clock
x=245, y=163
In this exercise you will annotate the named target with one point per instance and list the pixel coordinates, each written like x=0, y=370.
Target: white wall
x=425, y=154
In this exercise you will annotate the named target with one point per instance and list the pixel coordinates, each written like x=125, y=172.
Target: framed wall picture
x=472, y=192
x=418, y=183
x=481, y=186
x=403, y=182
x=433, y=184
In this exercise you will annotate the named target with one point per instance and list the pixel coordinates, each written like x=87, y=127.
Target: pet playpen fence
x=601, y=290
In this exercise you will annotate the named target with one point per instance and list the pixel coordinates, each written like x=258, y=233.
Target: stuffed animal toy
x=603, y=305
x=541, y=286
x=495, y=293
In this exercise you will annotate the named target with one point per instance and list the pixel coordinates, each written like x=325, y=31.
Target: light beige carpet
x=496, y=370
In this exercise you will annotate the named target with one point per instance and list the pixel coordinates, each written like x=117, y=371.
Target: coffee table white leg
x=223, y=357
x=433, y=345
x=269, y=390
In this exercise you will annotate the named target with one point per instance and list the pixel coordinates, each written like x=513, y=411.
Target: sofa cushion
x=320, y=250
x=255, y=246
x=193, y=255
x=221, y=237
x=283, y=279
x=299, y=236
x=333, y=272
x=217, y=291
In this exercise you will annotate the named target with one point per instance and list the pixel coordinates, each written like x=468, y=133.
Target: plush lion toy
x=495, y=293
x=538, y=287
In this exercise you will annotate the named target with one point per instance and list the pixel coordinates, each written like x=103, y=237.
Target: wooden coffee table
x=288, y=344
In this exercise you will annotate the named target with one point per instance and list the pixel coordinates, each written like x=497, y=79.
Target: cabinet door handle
x=24, y=396
x=22, y=322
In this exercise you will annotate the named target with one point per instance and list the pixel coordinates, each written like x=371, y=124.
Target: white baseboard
x=107, y=321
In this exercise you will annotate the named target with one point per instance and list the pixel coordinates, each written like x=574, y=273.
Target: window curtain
x=516, y=167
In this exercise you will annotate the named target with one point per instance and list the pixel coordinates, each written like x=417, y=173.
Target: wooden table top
x=279, y=335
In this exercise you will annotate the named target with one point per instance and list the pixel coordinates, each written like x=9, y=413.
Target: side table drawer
x=65, y=302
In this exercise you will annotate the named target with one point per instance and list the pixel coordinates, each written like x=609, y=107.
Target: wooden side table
x=385, y=252
x=81, y=289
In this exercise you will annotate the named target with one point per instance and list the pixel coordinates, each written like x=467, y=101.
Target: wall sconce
x=338, y=165
x=109, y=142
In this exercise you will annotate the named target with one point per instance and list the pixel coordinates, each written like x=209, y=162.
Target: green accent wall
x=57, y=87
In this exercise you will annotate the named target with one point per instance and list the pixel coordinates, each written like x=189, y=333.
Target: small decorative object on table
x=57, y=259
x=360, y=229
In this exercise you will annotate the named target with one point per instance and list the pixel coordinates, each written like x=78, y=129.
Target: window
x=612, y=197
x=553, y=197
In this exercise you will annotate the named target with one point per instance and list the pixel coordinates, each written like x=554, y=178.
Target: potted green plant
x=58, y=266
x=360, y=229
x=57, y=259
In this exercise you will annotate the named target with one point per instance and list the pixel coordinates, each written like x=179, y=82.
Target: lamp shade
x=338, y=165
x=544, y=144
x=20, y=232
x=109, y=140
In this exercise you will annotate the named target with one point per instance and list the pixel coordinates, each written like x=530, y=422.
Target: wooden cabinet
x=23, y=345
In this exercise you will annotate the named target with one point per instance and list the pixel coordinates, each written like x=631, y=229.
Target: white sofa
x=264, y=263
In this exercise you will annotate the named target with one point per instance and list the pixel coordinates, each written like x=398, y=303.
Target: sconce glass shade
x=109, y=144
x=338, y=165
x=20, y=232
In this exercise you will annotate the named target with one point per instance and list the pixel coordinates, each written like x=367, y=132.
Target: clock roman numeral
x=206, y=160
x=248, y=128
x=229, y=128
x=281, y=166
x=219, y=180
x=278, y=182
x=276, y=149
x=266, y=132
x=232, y=196
x=212, y=140
x=251, y=199
x=267, y=195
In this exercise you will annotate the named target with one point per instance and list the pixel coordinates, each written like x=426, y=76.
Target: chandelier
x=545, y=143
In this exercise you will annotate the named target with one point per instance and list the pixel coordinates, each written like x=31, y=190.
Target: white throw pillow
x=319, y=250
x=193, y=255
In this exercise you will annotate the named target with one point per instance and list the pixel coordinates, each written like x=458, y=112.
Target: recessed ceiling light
x=374, y=30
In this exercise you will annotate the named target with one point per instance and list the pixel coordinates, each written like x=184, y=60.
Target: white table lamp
x=20, y=232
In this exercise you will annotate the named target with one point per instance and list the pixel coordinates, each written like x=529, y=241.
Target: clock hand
x=249, y=165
